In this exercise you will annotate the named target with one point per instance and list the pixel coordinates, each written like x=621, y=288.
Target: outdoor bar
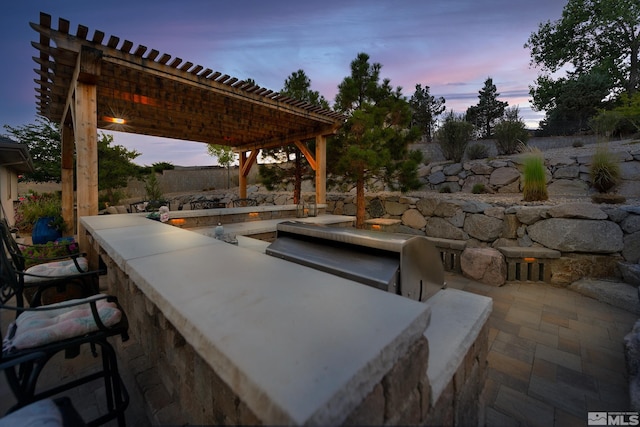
x=236, y=336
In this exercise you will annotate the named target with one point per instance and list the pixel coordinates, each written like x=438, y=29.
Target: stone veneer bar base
x=179, y=386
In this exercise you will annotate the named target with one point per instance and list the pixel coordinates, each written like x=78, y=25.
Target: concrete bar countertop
x=297, y=345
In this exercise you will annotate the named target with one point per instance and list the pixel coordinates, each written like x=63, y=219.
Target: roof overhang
x=159, y=96
x=15, y=156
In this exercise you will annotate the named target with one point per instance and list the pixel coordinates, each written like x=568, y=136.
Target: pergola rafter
x=90, y=83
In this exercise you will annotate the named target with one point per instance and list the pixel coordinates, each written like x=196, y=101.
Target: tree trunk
x=360, y=203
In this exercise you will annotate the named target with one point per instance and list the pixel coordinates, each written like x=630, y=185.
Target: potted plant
x=42, y=214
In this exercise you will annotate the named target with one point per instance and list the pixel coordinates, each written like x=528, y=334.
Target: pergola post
x=321, y=169
x=67, y=177
x=85, y=122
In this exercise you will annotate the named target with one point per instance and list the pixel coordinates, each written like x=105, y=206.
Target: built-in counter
x=238, y=337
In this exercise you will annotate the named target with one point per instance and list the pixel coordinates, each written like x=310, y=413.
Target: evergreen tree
x=488, y=110
x=426, y=109
x=373, y=141
x=297, y=86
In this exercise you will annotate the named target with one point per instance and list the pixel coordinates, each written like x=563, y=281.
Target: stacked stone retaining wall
x=567, y=172
x=592, y=238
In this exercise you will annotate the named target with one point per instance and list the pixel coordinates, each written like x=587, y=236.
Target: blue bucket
x=43, y=232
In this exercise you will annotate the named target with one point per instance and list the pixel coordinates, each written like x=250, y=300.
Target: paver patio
x=554, y=355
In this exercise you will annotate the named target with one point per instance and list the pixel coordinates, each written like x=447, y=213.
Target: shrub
x=477, y=151
x=445, y=189
x=152, y=187
x=453, y=136
x=604, y=170
x=535, y=181
x=478, y=188
x=35, y=206
x=509, y=134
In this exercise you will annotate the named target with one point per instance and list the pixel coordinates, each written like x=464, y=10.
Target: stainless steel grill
x=398, y=263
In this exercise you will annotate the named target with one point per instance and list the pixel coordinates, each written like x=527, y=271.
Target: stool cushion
x=43, y=413
x=56, y=269
x=39, y=327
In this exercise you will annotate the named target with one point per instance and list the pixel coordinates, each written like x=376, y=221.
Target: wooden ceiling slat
x=176, y=61
x=196, y=69
x=164, y=59
x=231, y=81
x=126, y=46
x=153, y=54
x=223, y=78
x=215, y=75
x=82, y=32
x=45, y=20
x=205, y=73
x=98, y=36
x=186, y=66
x=113, y=42
x=140, y=51
x=63, y=25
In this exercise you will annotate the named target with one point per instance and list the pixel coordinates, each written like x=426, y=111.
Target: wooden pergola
x=90, y=83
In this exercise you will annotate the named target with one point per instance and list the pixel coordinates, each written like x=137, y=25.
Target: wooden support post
x=67, y=178
x=321, y=169
x=86, y=135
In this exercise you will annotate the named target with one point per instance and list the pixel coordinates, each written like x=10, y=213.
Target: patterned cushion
x=56, y=269
x=40, y=327
x=43, y=413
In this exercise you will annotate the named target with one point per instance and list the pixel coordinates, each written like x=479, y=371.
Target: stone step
x=618, y=294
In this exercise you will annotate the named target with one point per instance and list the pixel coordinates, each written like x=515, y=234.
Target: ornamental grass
x=535, y=180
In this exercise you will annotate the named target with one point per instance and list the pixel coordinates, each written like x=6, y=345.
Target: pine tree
x=373, y=141
x=488, y=110
x=426, y=109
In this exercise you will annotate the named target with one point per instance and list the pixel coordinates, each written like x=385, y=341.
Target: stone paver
x=554, y=355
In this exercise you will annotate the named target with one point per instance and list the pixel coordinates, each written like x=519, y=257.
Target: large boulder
x=439, y=227
x=414, y=219
x=578, y=235
x=530, y=214
x=568, y=187
x=617, y=294
x=630, y=272
x=395, y=208
x=631, y=251
x=427, y=206
x=631, y=224
x=577, y=210
x=483, y=227
x=504, y=176
x=486, y=265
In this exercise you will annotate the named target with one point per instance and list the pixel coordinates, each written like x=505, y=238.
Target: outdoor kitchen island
x=227, y=335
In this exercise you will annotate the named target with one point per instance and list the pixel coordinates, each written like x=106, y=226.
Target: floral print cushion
x=56, y=269
x=43, y=413
x=39, y=327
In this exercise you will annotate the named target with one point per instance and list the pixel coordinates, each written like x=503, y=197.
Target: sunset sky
x=452, y=46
